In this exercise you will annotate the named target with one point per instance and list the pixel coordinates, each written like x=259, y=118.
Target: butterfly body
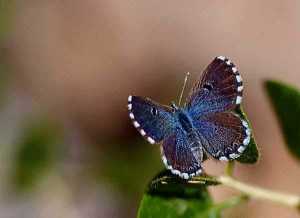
x=184, y=121
x=206, y=124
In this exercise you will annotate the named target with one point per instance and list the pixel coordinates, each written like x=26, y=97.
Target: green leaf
x=36, y=150
x=286, y=102
x=169, y=196
x=251, y=154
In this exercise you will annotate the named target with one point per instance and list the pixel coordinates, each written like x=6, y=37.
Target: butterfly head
x=174, y=107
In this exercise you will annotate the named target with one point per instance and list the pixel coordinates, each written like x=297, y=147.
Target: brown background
x=81, y=59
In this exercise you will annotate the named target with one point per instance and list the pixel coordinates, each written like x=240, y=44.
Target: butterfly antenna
x=183, y=87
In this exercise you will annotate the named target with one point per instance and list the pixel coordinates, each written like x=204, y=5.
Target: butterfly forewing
x=153, y=121
x=219, y=89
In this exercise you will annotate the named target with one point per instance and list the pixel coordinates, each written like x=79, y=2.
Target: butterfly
x=205, y=125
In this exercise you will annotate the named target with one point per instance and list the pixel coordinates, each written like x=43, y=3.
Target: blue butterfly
x=207, y=124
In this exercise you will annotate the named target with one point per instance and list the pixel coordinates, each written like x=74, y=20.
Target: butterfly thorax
x=185, y=120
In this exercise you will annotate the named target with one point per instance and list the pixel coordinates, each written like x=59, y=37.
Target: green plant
x=170, y=196
x=37, y=150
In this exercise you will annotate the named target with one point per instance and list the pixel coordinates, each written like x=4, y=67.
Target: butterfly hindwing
x=182, y=154
x=219, y=89
x=224, y=135
x=154, y=121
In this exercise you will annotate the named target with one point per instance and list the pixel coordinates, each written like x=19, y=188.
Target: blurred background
x=68, y=148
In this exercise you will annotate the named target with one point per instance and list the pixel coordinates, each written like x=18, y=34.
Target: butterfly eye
x=208, y=86
x=154, y=111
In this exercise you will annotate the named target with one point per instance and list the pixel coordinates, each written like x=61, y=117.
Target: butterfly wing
x=219, y=89
x=153, y=121
x=182, y=154
x=224, y=135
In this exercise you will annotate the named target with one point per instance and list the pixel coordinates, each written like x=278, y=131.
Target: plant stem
x=261, y=193
x=229, y=168
x=247, y=190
